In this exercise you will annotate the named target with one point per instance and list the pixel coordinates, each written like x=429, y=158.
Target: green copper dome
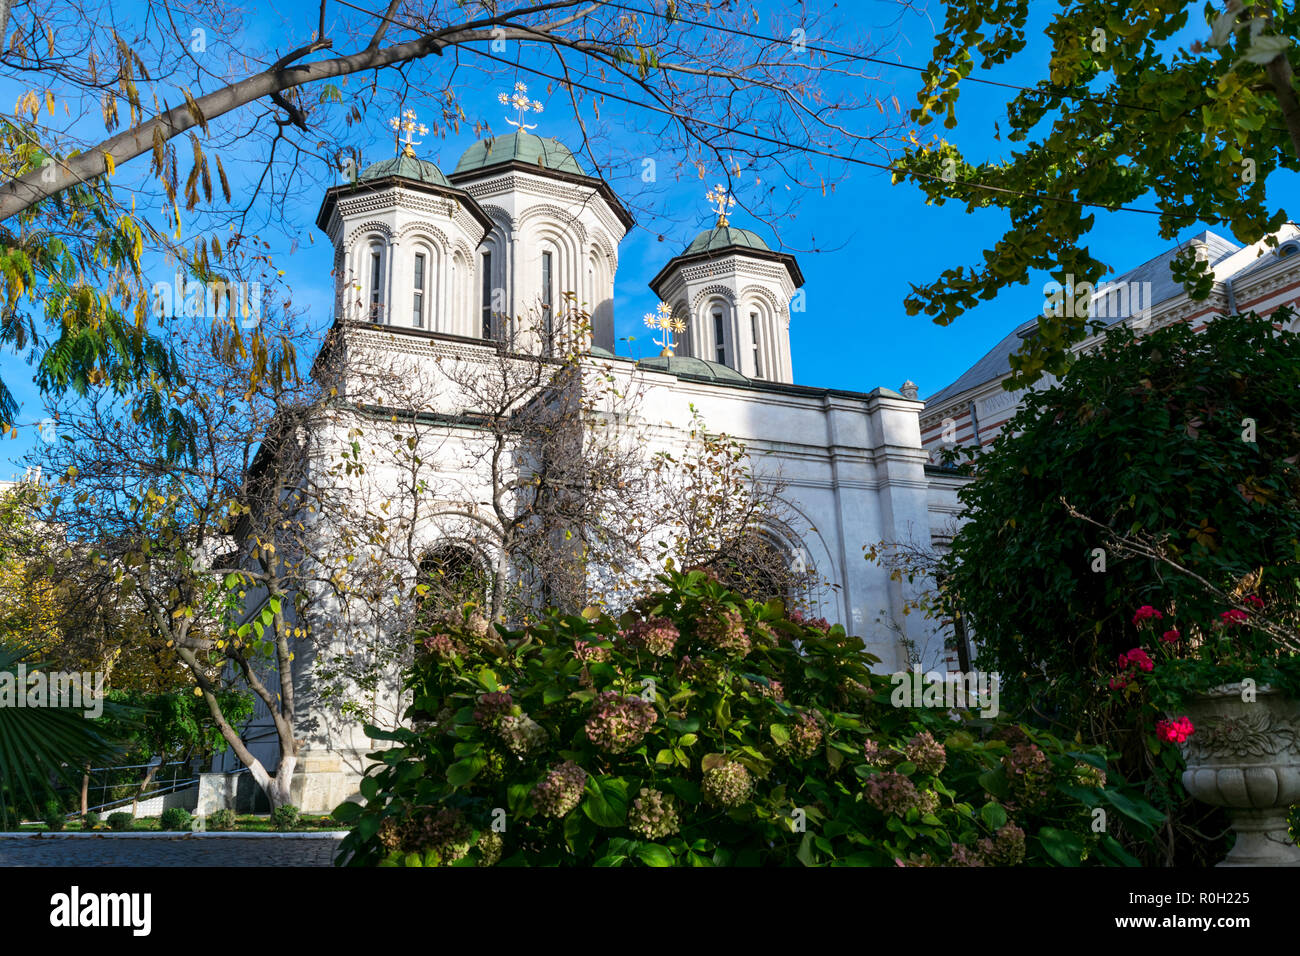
x=720, y=237
x=547, y=152
x=687, y=367
x=407, y=167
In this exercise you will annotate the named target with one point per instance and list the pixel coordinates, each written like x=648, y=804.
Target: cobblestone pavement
x=180, y=849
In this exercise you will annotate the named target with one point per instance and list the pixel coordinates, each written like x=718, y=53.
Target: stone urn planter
x=1244, y=756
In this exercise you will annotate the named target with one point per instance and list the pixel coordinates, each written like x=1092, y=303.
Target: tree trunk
x=499, y=586
x=144, y=785
x=279, y=787
x=85, y=788
x=21, y=192
x=1280, y=75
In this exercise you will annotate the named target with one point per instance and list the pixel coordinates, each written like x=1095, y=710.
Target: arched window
x=759, y=568
x=548, y=301
x=418, y=280
x=375, y=282
x=450, y=577
x=754, y=322
x=719, y=318
x=485, y=294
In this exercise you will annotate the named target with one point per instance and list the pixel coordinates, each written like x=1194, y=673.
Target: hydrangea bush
x=704, y=729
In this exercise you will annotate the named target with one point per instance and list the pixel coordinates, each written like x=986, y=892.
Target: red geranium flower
x=1145, y=612
x=1137, y=658
x=1175, y=731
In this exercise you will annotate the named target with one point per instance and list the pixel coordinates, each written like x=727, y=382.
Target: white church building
x=428, y=265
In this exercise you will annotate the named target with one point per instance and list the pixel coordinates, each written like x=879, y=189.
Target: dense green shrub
x=284, y=818
x=54, y=817
x=705, y=729
x=121, y=821
x=91, y=820
x=1184, y=442
x=1145, y=435
x=175, y=818
x=221, y=820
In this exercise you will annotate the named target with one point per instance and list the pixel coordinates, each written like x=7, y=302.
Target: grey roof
x=406, y=166
x=997, y=361
x=1286, y=248
x=683, y=366
x=547, y=152
x=723, y=237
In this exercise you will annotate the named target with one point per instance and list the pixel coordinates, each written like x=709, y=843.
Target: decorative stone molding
x=1244, y=755
x=428, y=231
x=1258, y=733
x=761, y=292
x=602, y=241
x=363, y=204
x=1265, y=283
x=440, y=206
x=499, y=216
x=465, y=220
x=761, y=268
x=708, y=292
x=738, y=265
x=554, y=215
x=540, y=187
x=707, y=270
x=374, y=225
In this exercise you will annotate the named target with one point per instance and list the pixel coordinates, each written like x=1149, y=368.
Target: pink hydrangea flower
x=590, y=652
x=820, y=623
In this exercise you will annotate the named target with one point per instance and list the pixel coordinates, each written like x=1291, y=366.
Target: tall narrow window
x=758, y=362
x=376, y=284
x=547, y=303
x=487, y=295
x=453, y=287
x=720, y=336
x=417, y=304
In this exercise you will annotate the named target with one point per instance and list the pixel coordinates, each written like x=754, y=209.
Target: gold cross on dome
x=406, y=124
x=722, y=200
x=665, y=324
x=522, y=104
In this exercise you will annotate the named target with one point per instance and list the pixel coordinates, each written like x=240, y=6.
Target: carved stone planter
x=1245, y=756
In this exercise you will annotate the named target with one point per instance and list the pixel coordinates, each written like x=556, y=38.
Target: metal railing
x=160, y=785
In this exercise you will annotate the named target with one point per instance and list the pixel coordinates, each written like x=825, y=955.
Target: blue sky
x=879, y=238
